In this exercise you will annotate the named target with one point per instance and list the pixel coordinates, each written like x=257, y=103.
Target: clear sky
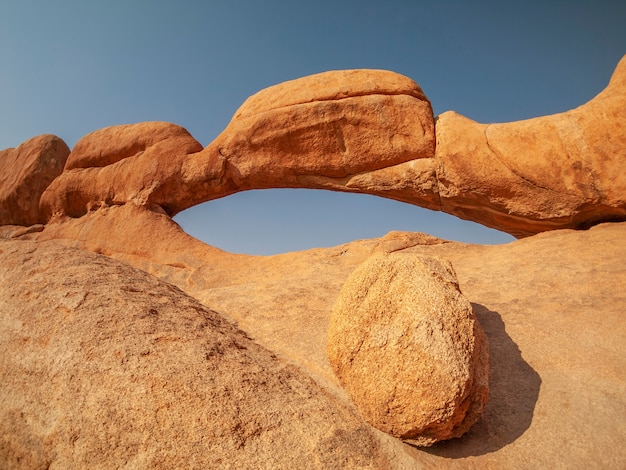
x=71, y=67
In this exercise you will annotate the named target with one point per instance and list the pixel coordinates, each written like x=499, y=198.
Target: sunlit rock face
x=103, y=365
x=369, y=131
x=407, y=347
x=25, y=172
x=135, y=163
x=72, y=318
x=560, y=171
x=337, y=130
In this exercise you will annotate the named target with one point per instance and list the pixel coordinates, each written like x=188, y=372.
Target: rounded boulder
x=406, y=345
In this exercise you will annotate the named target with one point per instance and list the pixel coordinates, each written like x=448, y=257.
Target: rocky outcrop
x=372, y=132
x=138, y=163
x=547, y=304
x=406, y=346
x=105, y=366
x=20, y=231
x=336, y=130
x=559, y=171
x=322, y=131
x=25, y=172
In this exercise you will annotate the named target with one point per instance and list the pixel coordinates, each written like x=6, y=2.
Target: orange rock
x=112, y=144
x=407, y=347
x=25, y=172
x=531, y=297
x=324, y=131
x=139, y=163
x=20, y=231
x=104, y=365
x=559, y=171
x=373, y=132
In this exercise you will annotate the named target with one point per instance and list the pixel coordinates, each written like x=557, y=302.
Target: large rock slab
x=326, y=130
x=560, y=171
x=407, y=347
x=137, y=163
x=105, y=366
x=369, y=131
x=357, y=130
x=548, y=305
x=25, y=172
x=338, y=131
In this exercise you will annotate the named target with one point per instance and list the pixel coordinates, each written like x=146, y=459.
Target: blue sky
x=71, y=67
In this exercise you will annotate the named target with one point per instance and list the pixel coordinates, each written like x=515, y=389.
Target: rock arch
x=373, y=132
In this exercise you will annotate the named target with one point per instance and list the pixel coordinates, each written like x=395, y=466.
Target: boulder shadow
x=513, y=392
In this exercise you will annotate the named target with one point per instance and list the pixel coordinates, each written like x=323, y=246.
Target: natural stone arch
x=372, y=132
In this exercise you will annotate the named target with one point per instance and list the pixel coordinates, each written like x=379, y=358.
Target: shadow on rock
x=514, y=389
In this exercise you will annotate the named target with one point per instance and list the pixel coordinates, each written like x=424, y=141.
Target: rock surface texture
x=103, y=365
x=322, y=131
x=135, y=163
x=25, y=172
x=158, y=351
x=558, y=171
x=407, y=347
x=373, y=132
x=530, y=296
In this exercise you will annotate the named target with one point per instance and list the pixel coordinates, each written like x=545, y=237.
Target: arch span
x=373, y=132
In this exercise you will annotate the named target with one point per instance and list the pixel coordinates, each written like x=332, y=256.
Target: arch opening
x=274, y=221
